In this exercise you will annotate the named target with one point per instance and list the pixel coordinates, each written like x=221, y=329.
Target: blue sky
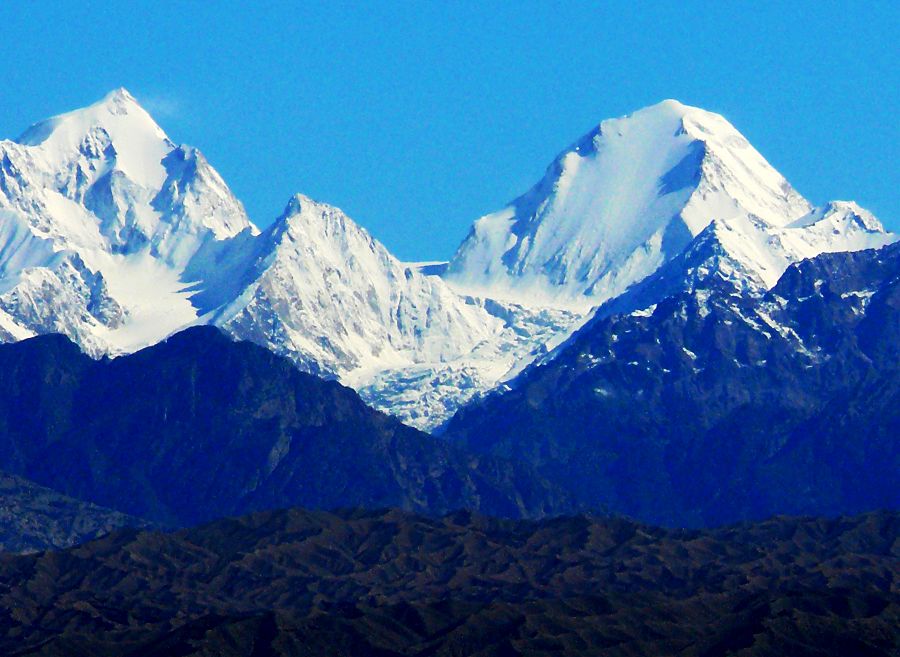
x=416, y=118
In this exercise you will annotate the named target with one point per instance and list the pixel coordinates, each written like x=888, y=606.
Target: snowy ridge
x=752, y=255
x=117, y=122
x=112, y=234
x=764, y=252
x=328, y=295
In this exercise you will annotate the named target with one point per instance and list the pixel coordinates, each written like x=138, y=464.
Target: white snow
x=157, y=300
x=139, y=143
x=618, y=204
x=113, y=212
x=645, y=312
x=766, y=251
x=406, y=340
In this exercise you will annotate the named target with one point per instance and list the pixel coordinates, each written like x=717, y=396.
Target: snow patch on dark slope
x=712, y=405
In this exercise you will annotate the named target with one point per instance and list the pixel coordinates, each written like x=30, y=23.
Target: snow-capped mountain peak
x=353, y=306
x=118, y=125
x=107, y=179
x=304, y=217
x=841, y=216
x=111, y=212
x=733, y=172
x=298, y=202
x=323, y=291
x=619, y=203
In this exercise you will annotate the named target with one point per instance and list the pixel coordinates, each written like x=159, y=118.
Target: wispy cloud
x=161, y=105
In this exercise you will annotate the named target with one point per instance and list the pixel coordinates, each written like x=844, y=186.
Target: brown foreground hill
x=389, y=583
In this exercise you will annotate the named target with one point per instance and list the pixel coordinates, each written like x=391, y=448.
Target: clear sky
x=418, y=117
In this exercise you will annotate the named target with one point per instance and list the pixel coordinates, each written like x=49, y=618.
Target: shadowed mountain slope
x=199, y=427
x=713, y=405
x=34, y=518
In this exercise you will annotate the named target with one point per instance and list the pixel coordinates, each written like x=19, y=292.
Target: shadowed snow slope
x=115, y=236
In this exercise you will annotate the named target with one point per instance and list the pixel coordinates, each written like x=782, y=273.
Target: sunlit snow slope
x=621, y=201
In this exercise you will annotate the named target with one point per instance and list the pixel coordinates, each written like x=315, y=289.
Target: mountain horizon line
x=122, y=94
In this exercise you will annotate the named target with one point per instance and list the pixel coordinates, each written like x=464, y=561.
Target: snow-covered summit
x=107, y=178
x=617, y=204
x=344, y=302
x=321, y=290
x=110, y=212
x=116, y=122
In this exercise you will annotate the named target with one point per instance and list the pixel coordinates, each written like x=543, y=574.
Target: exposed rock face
x=34, y=518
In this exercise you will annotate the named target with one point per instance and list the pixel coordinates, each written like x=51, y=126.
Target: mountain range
x=389, y=584
x=116, y=237
x=709, y=406
x=661, y=328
